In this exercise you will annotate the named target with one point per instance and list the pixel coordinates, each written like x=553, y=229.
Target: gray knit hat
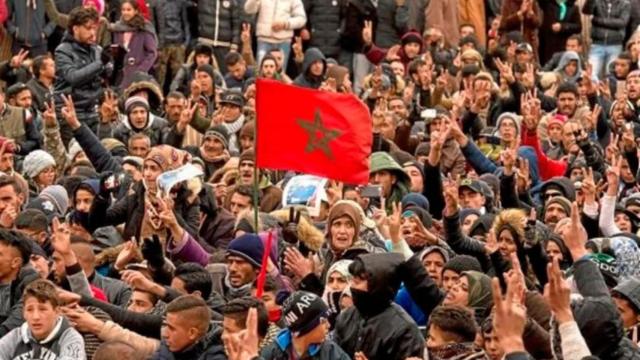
x=630, y=289
x=36, y=162
x=517, y=119
x=219, y=132
x=74, y=150
x=58, y=195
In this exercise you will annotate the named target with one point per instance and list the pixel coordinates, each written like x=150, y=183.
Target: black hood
x=384, y=280
x=310, y=56
x=563, y=184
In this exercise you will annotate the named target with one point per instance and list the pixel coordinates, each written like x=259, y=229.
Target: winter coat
x=528, y=25
x=154, y=129
x=392, y=23
x=390, y=334
x=552, y=42
x=270, y=11
x=323, y=23
x=219, y=21
x=130, y=211
x=142, y=51
x=64, y=342
x=609, y=21
x=208, y=348
x=305, y=79
x=597, y=315
x=40, y=94
x=171, y=22
x=356, y=12
x=16, y=123
x=281, y=349
x=78, y=70
x=27, y=23
x=443, y=15
x=13, y=318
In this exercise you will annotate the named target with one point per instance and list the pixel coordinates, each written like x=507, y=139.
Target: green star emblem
x=319, y=135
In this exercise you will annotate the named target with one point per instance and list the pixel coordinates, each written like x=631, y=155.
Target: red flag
x=313, y=132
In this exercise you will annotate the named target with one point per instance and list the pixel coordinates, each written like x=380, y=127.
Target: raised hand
x=510, y=316
x=367, y=32
x=49, y=115
x=508, y=158
x=245, y=35
x=491, y=245
x=613, y=175
x=574, y=235
x=17, y=60
x=290, y=229
x=296, y=263
x=61, y=237
x=587, y=75
x=393, y=222
x=109, y=108
x=69, y=112
x=557, y=293
x=588, y=185
x=506, y=70
x=451, y=196
x=128, y=253
x=186, y=116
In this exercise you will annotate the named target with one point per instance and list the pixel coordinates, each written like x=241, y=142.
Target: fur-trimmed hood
x=307, y=232
x=144, y=81
x=512, y=219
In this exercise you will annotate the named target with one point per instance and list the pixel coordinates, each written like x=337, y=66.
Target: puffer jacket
x=323, y=22
x=209, y=347
x=305, y=79
x=171, y=22
x=270, y=11
x=392, y=23
x=390, y=334
x=610, y=18
x=219, y=21
x=78, y=69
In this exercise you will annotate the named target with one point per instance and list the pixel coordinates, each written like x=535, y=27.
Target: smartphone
x=371, y=191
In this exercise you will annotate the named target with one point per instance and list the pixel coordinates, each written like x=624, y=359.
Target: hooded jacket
x=565, y=59
x=154, y=129
x=64, y=342
x=389, y=334
x=306, y=79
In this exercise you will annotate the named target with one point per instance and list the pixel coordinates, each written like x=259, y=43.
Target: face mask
x=368, y=305
x=275, y=315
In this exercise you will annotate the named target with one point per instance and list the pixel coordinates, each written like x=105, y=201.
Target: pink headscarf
x=98, y=4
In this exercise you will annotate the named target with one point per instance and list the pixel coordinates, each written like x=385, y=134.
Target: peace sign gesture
x=18, y=59
x=613, y=175
x=367, y=32
x=69, y=112
x=49, y=115
x=186, y=116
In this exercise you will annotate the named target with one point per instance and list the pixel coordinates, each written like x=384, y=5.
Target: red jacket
x=548, y=167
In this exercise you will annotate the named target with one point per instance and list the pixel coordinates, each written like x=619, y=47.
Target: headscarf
x=479, y=298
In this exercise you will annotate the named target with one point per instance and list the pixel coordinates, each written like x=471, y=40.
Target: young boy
x=45, y=334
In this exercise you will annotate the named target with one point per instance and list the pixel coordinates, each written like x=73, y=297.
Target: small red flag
x=313, y=132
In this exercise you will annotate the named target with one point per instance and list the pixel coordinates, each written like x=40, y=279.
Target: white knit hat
x=36, y=162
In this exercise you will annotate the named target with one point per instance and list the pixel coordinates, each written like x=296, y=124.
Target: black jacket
x=323, y=22
x=78, y=69
x=597, y=315
x=391, y=334
x=550, y=41
x=13, y=318
x=354, y=14
x=130, y=211
x=219, y=20
x=610, y=18
x=305, y=79
x=210, y=347
x=392, y=23
x=171, y=22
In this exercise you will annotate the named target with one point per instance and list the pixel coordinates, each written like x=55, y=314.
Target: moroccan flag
x=313, y=132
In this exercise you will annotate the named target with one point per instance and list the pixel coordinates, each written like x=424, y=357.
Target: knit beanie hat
x=206, y=68
x=411, y=37
x=429, y=249
x=517, y=119
x=562, y=201
x=58, y=195
x=36, y=161
x=462, y=263
x=134, y=102
x=99, y=5
x=420, y=213
x=248, y=247
x=168, y=157
x=557, y=119
x=247, y=155
x=219, y=132
x=630, y=290
x=415, y=199
x=302, y=312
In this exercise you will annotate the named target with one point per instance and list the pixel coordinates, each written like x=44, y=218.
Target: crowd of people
x=501, y=218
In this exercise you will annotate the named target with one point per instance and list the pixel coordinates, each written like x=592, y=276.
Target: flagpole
x=256, y=182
